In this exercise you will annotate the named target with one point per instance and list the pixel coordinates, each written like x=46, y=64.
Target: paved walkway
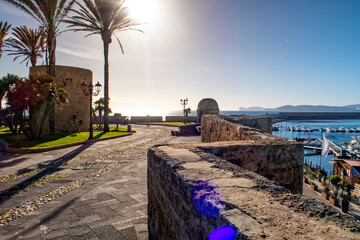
x=94, y=191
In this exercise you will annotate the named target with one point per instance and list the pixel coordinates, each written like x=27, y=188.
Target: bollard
x=129, y=128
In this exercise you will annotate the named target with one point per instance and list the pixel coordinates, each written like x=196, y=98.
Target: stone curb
x=16, y=150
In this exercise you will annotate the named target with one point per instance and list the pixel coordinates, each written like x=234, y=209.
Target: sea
x=338, y=138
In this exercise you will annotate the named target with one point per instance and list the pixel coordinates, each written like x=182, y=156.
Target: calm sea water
x=336, y=137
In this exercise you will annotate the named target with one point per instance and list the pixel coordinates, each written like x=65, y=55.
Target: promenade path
x=91, y=191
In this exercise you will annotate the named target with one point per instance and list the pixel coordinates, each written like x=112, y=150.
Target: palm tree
x=5, y=84
x=105, y=18
x=4, y=29
x=49, y=13
x=27, y=43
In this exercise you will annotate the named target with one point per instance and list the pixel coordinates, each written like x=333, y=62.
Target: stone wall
x=194, y=194
x=278, y=159
x=219, y=128
x=258, y=122
x=179, y=118
x=142, y=119
x=70, y=79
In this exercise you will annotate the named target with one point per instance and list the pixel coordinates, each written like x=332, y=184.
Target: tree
x=27, y=43
x=37, y=94
x=105, y=18
x=99, y=107
x=335, y=180
x=5, y=84
x=49, y=14
x=4, y=29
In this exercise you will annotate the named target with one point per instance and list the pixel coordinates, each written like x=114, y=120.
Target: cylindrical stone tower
x=70, y=78
x=207, y=106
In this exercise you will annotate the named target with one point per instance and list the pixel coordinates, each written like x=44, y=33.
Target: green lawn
x=4, y=130
x=175, y=124
x=20, y=141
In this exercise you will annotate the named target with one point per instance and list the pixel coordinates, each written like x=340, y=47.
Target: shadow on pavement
x=12, y=163
x=52, y=167
x=45, y=219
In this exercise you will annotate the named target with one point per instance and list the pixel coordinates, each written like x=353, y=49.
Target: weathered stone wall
x=219, y=128
x=258, y=122
x=179, y=118
x=255, y=207
x=137, y=119
x=113, y=119
x=70, y=79
x=277, y=158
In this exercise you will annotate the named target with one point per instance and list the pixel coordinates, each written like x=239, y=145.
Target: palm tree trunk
x=106, y=86
x=51, y=44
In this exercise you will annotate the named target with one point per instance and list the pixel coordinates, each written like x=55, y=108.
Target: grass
x=52, y=140
x=174, y=124
x=4, y=130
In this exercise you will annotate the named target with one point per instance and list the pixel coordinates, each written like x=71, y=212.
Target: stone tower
x=70, y=78
x=207, y=106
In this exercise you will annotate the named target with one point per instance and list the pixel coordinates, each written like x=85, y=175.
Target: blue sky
x=239, y=52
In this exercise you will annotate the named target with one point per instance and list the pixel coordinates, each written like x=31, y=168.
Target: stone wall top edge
x=61, y=67
x=263, y=135
x=265, y=187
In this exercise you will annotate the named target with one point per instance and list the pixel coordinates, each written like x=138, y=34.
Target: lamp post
x=184, y=102
x=88, y=90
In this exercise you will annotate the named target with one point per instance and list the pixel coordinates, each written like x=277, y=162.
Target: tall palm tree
x=49, y=13
x=4, y=29
x=27, y=43
x=105, y=18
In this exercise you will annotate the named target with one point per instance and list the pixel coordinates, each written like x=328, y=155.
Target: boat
x=329, y=129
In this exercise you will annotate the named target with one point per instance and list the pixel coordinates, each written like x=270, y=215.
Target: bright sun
x=143, y=10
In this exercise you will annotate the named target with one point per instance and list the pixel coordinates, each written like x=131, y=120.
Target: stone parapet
x=278, y=159
x=144, y=119
x=231, y=128
x=179, y=118
x=259, y=122
x=180, y=207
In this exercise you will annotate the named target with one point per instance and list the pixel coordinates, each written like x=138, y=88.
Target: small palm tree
x=27, y=43
x=99, y=107
x=4, y=29
x=36, y=94
x=105, y=18
x=5, y=84
x=49, y=13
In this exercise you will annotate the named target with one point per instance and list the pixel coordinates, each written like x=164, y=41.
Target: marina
x=344, y=135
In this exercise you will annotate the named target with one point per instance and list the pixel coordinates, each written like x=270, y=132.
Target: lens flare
x=207, y=198
x=223, y=233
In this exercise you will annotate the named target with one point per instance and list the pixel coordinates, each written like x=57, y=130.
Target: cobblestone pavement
x=99, y=192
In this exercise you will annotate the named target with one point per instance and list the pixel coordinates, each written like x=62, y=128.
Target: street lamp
x=88, y=90
x=184, y=102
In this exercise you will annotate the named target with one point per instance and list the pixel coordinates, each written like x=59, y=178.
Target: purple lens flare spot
x=207, y=198
x=223, y=233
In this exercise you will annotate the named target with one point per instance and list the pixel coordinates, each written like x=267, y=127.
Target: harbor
x=343, y=134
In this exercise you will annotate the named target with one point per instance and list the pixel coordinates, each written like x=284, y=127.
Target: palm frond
x=26, y=43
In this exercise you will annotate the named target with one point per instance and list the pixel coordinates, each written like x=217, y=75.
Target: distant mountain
x=306, y=108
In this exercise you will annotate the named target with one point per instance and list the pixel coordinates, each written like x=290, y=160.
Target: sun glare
x=143, y=10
